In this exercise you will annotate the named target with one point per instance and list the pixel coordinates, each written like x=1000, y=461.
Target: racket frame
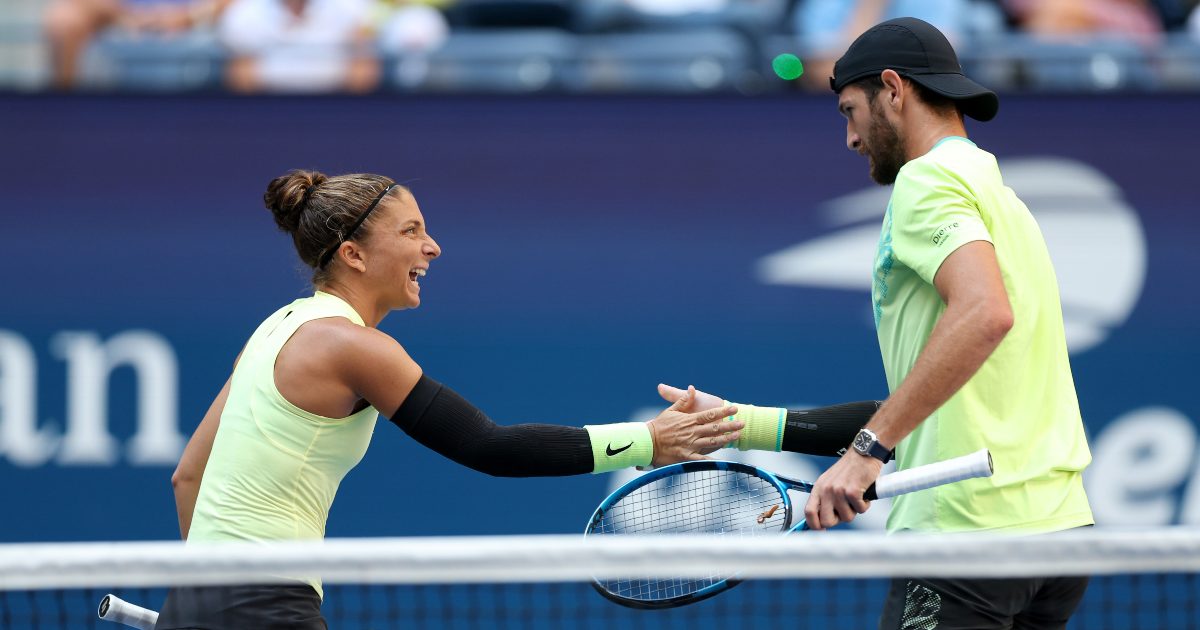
x=781, y=484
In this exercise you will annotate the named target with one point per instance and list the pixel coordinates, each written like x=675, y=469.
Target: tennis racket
x=117, y=610
x=729, y=498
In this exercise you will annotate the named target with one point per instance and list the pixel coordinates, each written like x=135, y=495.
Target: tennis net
x=1140, y=579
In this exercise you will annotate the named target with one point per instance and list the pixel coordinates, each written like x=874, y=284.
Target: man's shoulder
x=960, y=157
x=953, y=163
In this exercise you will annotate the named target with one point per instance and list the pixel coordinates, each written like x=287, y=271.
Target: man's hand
x=704, y=401
x=837, y=495
x=682, y=434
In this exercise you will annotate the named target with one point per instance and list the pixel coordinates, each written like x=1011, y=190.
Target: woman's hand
x=683, y=433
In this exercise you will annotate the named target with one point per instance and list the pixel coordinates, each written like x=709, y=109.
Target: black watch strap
x=880, y=452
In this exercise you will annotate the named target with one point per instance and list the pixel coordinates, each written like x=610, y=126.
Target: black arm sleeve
x=440, y=419
x=826, y=430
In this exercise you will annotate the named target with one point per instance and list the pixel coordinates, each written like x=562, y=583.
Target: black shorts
x=960, y=604
x=265, y=606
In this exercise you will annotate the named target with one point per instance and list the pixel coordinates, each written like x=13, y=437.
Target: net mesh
x=1132, y=602
x=1140, y=580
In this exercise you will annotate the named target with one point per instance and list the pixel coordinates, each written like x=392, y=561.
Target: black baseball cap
x=917, y=50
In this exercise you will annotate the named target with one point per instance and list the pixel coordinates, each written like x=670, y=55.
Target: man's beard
x=884, y=149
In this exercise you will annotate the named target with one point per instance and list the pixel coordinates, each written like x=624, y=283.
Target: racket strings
x=705, y=502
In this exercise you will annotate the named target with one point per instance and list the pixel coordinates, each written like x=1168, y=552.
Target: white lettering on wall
x=1140, y=462
x=89, y=365
x=89, y=362
x=1189, y=512
x=20, y=439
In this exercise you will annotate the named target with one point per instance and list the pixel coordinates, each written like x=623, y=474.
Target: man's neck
x=930, y=132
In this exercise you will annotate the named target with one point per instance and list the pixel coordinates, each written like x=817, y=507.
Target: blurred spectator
x=825, y=28
x=299, y=46
x=1056, y=19
x=409, y=27
x=406, y=32
x=323, y=45
x=750, y=16
x=71, y=25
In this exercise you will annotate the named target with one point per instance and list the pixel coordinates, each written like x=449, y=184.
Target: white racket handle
x=977, y=464
x=117, y=610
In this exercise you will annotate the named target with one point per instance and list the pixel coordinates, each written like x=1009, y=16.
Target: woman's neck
x=367, y=307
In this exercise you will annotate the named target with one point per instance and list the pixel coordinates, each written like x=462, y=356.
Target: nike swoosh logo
x=610, y=451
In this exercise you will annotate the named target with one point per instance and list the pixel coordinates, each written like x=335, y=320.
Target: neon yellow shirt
x=275, y=468
x=1021, y=404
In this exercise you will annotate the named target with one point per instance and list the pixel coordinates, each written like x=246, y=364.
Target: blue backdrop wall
x=592, y=248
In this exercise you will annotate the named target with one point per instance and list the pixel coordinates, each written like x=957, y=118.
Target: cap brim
x=973, y=99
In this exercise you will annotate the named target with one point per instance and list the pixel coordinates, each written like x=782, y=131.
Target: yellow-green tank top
x=274, y=467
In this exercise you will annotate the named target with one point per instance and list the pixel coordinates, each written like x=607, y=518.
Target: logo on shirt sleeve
x=943, y=232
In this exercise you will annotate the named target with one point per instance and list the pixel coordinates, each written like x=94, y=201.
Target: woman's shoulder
x=340, y=338
x=339, y=330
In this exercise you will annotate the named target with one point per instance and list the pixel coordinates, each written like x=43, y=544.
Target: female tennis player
x=298, y=412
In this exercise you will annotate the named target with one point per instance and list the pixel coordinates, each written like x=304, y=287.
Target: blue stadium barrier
x=1097, y=64
x=492, y=61
x=20, y=44
x=1178, y=64
x=666, y=61
x=192, y=61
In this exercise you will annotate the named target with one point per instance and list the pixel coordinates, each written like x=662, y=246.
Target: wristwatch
x=867, y=443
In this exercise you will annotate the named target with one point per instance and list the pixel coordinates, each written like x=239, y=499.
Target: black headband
x=328, y=255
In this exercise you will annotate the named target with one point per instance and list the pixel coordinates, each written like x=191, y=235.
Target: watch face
x=862, y=442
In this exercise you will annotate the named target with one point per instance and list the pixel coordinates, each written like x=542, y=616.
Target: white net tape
x=567, y=558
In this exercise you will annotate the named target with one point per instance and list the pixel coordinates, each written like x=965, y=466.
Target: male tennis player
x=971, y=332
x=300, y=408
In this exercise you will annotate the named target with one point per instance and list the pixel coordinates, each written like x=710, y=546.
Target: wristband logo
x=610, y=451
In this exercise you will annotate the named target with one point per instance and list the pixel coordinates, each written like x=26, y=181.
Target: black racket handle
x=869, y=495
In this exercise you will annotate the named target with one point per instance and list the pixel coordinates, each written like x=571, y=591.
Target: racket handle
x=115, y=609
x=977, y=464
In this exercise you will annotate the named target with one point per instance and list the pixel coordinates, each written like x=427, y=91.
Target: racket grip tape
x=115, y=609
x=977, y=464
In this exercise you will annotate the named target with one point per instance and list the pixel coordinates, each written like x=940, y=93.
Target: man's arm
x=977, y=317
x=821, y=431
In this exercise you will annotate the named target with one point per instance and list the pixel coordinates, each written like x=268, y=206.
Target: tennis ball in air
x=787, y=66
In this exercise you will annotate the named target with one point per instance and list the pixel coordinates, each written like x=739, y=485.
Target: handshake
x=695, y=425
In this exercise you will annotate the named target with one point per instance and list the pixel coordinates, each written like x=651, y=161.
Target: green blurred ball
x=787, y=66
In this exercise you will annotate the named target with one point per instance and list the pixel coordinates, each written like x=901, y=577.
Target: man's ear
x=894, y=89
